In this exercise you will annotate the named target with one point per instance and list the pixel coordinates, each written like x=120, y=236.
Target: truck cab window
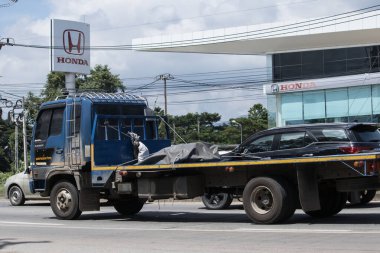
x=113, y=129
x=43, y=122
x=138, y=127
x=150, y=129
x=56, y=122
x=125, y=126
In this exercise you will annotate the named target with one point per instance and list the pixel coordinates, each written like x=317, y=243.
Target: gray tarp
x=183, y=153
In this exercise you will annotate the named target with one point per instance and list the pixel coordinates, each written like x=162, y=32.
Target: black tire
x=16, y=196
x=217, y=201
x=129, y=207
x=269, y=200
x=366, y=196
x=64, y=201
x=331, y=201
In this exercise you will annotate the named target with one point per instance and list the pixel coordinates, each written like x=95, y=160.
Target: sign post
x=70, y=44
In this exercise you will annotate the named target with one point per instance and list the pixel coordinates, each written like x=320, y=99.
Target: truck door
x=48, y=143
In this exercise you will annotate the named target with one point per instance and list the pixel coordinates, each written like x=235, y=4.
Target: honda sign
x=70, y=46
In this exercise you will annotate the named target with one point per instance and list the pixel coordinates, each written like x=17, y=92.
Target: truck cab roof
x=100, y=98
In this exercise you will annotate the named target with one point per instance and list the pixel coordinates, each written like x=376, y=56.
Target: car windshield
x=366, y=134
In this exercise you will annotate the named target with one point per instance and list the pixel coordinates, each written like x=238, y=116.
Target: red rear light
x=123, y=173
x=353, y=149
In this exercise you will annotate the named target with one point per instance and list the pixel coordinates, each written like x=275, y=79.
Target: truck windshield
x=111, y=128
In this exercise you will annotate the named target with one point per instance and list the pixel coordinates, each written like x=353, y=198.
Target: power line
x=11, y=2
x=256, y=34
x=269, y=31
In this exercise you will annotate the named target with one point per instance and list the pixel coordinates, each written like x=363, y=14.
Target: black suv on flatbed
x=303, y=141
x=310, y=140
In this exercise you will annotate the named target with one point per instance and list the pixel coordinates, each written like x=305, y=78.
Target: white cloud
x=117, y=22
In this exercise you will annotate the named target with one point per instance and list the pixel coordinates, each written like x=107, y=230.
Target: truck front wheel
x=64, y=201
x=268, y=200
x=128, y=207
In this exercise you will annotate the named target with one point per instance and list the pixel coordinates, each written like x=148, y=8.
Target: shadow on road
x=352, y=218
x=170, y=216
x=37, y=204
x=364, y=206
x=222, y=216
x=231, y=207
x=7, y=242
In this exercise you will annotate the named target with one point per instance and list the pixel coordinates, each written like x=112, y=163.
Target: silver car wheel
x=16, y=196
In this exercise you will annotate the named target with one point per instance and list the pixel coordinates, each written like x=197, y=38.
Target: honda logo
x=73, y=41
x=274, y=88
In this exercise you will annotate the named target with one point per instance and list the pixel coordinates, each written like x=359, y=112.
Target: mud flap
x=355, y=197
x=89, y=200
x=308, y=189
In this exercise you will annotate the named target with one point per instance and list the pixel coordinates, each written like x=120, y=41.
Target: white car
x=17, y=189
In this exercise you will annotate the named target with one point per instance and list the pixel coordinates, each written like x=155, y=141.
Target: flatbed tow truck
x=83, y=155
x=271, y=189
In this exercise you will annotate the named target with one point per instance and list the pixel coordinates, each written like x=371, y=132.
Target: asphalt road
x=185, y=227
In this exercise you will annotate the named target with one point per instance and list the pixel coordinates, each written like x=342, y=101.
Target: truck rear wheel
x=331, y=201
x=217, y=201
x=366, y=196
x=269, y=200
x=64, y=201
x=129, y=206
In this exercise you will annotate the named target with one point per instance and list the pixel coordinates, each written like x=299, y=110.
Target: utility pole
x=165, y=77
x=198, y=127
x=16, y=145
x=24, y=115
x=174, y=135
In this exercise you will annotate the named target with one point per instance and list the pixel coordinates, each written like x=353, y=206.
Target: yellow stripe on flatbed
x=318, y=159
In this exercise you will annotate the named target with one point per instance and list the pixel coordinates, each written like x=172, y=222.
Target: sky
x=117, y=22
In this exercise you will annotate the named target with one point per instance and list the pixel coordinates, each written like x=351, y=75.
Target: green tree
x=32, y=104
x=5, y=150
x=256, y=121
x=194, y=126
x=101, y=79
x=54, y=84
x=258, y=114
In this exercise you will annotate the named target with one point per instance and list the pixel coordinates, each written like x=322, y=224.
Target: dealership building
x=321, y=70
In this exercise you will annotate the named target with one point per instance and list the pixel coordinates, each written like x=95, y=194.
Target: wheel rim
x=64, y=200
x=262, y=200
x=215, y=199
x=16, y=195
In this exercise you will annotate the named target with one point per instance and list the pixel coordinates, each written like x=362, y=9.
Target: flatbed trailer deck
x=271, y=188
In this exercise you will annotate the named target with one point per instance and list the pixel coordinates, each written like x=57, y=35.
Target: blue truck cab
x=78, y=141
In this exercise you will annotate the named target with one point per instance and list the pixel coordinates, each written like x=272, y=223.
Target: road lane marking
x=174, y=214
x=238, y=230
x=29, y=223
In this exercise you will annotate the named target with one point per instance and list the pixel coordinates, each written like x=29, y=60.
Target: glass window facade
x=325, y=63
x=351, y=104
